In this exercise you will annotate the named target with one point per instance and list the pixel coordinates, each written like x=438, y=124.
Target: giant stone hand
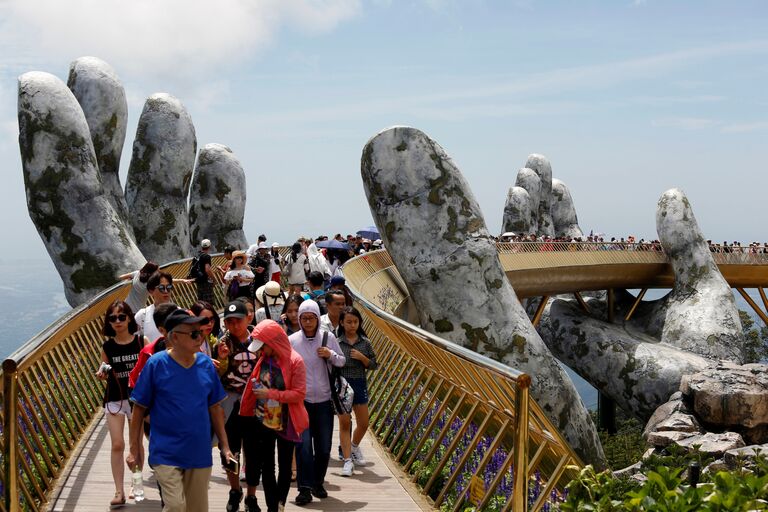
x=437, y=237
x=71, y=142
x=639, y=363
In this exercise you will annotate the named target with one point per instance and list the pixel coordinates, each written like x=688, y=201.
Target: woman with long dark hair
x=211, y=330
x=290, y=315
x=360, y=358
x=119, y=354
x=296, y=268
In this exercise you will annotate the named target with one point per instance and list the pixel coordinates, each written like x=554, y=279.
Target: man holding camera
x=182, y=391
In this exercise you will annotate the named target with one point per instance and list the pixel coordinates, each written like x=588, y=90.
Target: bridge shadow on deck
x=89, y=486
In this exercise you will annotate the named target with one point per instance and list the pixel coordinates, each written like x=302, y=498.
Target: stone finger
x=217, y=199
x=102, y=98
x=159, y=177
x=80, y=228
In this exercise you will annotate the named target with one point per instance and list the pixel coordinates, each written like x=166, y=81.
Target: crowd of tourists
x=264, y=382
x=629, y=243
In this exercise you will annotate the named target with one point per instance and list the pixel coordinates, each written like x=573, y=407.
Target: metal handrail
x=428, y=373
x=733, y=256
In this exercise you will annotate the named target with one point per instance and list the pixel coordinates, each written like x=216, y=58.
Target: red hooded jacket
x=294, y=374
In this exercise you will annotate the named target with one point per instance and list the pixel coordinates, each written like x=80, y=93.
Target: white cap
x=263, y=245
x=255, y=345
x=205, y=243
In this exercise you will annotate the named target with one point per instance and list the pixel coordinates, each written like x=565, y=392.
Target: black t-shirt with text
x=122, y=359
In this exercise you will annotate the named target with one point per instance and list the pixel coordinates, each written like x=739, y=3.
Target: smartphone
x=232, y=466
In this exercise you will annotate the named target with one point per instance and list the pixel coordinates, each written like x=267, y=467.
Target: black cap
x=235, y=309
x=181, y=316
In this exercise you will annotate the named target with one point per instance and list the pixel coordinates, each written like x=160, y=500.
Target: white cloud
x=685, y=123
x=517, y=90
x=162, y=37
x=745, y=127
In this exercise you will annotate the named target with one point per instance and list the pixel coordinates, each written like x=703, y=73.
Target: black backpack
x=194, y=268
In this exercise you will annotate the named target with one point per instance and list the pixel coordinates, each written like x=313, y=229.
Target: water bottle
x=138, y=484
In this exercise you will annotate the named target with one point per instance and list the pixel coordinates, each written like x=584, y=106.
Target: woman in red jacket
x=274, y=398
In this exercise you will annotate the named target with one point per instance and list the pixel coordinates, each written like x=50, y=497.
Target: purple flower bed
x=425, y=469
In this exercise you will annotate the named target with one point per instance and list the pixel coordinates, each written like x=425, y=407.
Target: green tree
x=755, y=340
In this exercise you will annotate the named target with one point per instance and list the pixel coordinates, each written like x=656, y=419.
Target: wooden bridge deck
x=377, y=486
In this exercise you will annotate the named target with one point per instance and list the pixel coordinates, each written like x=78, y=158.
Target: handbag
x=342, y=393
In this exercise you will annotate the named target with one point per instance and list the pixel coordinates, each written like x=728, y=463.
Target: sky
x=627, y=98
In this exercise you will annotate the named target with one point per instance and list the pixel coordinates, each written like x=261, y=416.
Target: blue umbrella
x=332, y=244
x=371, y=232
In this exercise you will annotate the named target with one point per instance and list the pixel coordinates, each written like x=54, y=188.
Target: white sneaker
x=357, y=455
x=348, y=468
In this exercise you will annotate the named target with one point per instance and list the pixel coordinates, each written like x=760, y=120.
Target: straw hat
x=273, y=292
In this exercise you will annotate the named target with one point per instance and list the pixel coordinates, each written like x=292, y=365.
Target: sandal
x=118, y=501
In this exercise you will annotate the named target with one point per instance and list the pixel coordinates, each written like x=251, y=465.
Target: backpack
x=320, y=299
x=194, y=268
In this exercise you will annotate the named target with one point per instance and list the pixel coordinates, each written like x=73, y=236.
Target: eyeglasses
x=164, y=288
x=208, y=320
x=194, y=334
x=117, y=318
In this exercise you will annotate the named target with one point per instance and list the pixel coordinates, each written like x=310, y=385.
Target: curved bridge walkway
x=436, y=405
x=377, y=486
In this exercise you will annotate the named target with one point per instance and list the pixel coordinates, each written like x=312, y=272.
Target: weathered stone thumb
x=84, y=236
x=217, y=199
x=158, y=179
x=437, y=237
x=700, y=314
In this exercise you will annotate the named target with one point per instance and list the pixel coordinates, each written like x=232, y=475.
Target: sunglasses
x=208, y=320
x=164, y=288
x=194, y=334
x=117, y=318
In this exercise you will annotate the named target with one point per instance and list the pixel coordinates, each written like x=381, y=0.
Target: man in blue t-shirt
x=182, y=392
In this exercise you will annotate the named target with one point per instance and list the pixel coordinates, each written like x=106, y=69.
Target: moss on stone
x=167, y=226
x=519, y=343
x=401, y=147
x=222, y=189
x=475, y=336
x=389, y=229
x=443, y=325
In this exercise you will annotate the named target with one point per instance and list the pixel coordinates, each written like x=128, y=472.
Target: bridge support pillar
x=606, y=413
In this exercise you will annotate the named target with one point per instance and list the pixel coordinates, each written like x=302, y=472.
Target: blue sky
x=626, y=98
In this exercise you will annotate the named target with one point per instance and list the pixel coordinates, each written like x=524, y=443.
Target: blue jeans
x=314, y=451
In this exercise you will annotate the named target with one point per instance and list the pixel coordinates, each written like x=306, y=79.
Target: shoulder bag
x=342, y=393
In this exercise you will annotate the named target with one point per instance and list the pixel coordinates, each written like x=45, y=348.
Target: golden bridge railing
x=51, y=396
x=460, y=423
x=632, y=252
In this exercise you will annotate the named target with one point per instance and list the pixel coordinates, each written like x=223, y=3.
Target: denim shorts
x=360, y=387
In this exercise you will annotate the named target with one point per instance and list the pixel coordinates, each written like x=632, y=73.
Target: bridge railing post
x=520, y=469
x=10, y=422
